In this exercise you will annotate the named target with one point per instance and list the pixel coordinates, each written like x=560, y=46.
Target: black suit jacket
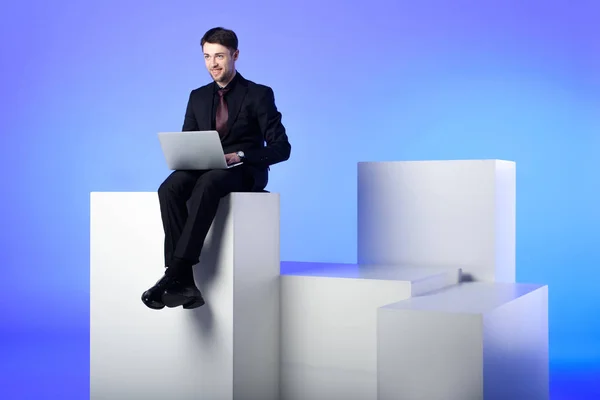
x=253, y=122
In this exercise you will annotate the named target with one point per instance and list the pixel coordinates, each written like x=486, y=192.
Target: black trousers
x=188, y=204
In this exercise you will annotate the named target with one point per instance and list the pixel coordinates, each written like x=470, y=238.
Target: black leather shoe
x=180, y=294
x=152, y=297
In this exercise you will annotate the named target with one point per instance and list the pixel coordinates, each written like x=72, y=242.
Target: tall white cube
x=329, y=324
x=470, y=342
x=226, y=349
x=438, y=213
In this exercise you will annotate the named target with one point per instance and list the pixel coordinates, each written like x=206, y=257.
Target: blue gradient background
x=86, y=85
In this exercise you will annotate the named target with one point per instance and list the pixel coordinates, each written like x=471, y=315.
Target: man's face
x=220, y=63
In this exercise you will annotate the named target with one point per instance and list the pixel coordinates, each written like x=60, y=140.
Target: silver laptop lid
x=192, y=150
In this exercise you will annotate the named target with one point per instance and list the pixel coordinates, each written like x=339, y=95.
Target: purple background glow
x=86, y=85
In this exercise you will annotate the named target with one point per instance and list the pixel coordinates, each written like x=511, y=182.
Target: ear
x=236, y=54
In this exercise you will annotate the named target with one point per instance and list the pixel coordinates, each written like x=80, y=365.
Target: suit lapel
x=205, y=122
x=235, y=102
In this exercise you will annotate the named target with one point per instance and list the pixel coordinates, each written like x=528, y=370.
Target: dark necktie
x=222, y=113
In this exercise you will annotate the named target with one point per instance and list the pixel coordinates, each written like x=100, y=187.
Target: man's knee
x=172, y=185
x=166, y=187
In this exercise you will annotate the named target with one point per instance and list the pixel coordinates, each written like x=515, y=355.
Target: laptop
x=193, y=150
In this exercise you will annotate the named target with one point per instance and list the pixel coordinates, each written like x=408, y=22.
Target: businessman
x=247, y=120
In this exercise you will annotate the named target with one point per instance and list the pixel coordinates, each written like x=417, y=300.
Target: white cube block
x=472, y=341
x=328, y=324
x=438, y=213
x=226, y=349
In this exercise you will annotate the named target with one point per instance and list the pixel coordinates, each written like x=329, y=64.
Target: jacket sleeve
x=189, y=122
x=278, y=147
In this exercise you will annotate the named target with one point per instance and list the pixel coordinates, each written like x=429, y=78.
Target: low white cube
x=469, y=342
x=226, y=349
x=329, y=324
x=439, y=213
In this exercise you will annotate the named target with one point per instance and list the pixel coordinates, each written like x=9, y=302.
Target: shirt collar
x=230, y=85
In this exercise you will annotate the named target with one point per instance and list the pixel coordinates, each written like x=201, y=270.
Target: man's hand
x=232, y=158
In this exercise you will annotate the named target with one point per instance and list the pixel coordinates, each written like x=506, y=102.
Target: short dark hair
x=222, y=36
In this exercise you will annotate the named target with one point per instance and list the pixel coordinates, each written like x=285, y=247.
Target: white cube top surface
x=470, y=298
x=360, y=271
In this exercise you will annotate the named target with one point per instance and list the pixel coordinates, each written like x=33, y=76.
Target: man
x=245, y=115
